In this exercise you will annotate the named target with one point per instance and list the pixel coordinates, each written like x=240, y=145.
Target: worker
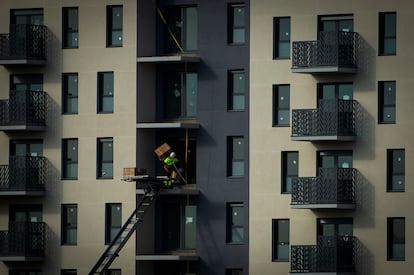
x=169, y=166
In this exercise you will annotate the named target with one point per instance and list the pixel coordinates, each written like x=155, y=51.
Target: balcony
x=23, y=111
x=24, y=176
x=24, y=45
x=334, y=120
x=334, y=188
x=333, y=52
x=332, y=255
x=24, y=241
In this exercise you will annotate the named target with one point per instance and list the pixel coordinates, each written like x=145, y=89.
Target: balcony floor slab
x=324, y=206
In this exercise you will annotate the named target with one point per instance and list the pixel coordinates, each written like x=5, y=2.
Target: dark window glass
x=114, y=36
x=113, y=221
x=290, y=170
x=396, y=239
x=69, y=224
x=386, y=101
x=178, y=226
x=70, y=27
x=180, y=32
x=280, y=247
x=113, y=272
x=105, y=92
x=396, y=170
x=236, y=157
x=335, y=23
x=70, y=158
x=237, y=88
x=235, y=223
x=68, y=272
x=387, y=33
x=281, y=29
x=281, y=105
x=237, y=24
x=105, y=158
x=70, y=93
x=234, y=271
x=180, y=95
x=27, y=16
x=25, y=272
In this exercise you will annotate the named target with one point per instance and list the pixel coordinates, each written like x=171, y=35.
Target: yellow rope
x=169, y=30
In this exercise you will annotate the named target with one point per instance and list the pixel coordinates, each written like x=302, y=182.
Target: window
x=290, y=170
x=105, y=92
x=68, y=272
x=280, y=240
x=386, y=102
x=114, y=26
x=69, y=224
x=335, y=91
x=113, y=272
x=178, y=226
x=396, y=239
x=237, y=89
x=70, y=27
x=281, y=37
x=113, y=221
x=70, y=158
x=387, y=33
x=27, y=17
x=105, y=158
x=234, y=271
x=237, y=24
x=70, y=93
x=396, y=170
x=24, y=272
x=236, y=157
x=182, y=23
x=180, y=95
x=335, y=23
x=235, y=223
x=281, y=105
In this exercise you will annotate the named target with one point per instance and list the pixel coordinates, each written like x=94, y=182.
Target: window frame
x=232, y=159
x=276, y=227
x=391, y=241
x=391, y=173
x=381, y=101
x=285, y=171
x=110, y=29
x=231, y=74
x=276, y=37
x=232, y=26
x=100, y=158
x=66, y=96
x=101, y=95
x=109, y=223
x=65, y=224
x=65, y=159
x=66, y=30
x=276, y=91
x=231, y=225
x=382, y=36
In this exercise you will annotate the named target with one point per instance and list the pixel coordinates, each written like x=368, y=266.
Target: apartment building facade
x=331, y=137
x=90, y=87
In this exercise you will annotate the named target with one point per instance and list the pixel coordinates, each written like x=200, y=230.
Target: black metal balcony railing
x=332, y=49
x=23, y=239
x=24, y=42
x=331, y=254
x=24, y=108
x=331, y=186
x=334, y=119
x=23, y=174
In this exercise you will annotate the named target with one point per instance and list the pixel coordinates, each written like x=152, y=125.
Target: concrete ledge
x=185, y=256
x=21, y=259
x=169, y=59
x=168, y=125
x=29, y=193
x=323, y=138
x=324, y=206
x=324, y=69
x=22, y=128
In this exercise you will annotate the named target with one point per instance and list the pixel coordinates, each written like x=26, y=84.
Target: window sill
x=281, y=125
x=281, y=58
x=69, y=244
x=69, y=113
x=395, y=191
x=69, y=179
x=104, y=178
x=230, y=243
x=103, y=113
x=68, y=48
x=387, y=122
x=387, y=54
x=280, y=260
x=114, y=46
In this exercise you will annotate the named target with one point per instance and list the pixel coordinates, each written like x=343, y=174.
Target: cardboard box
x=163, y=151
x=130, y=171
